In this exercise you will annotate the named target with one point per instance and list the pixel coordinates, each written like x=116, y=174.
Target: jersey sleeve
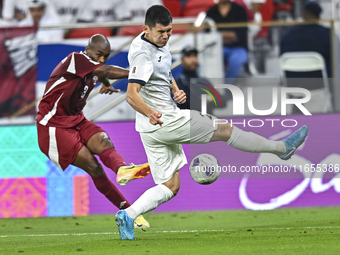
x=81, y=65
x=141, y=69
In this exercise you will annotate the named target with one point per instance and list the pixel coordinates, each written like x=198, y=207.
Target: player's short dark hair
x=157, y=14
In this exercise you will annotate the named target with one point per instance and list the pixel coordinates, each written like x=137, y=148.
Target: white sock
x=149, y=200
x=251, y=142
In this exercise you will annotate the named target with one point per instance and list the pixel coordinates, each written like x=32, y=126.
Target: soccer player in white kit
x=163, y=127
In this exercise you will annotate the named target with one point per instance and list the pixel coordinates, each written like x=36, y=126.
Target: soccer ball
x=204, y=169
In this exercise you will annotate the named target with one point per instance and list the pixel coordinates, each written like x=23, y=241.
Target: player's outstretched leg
x=251, y=142
x=90, y=164
x=125, y=226
x=126, y=174
x=293, y=142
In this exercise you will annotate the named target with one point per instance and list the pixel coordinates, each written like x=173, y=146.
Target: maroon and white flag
x=18, y=72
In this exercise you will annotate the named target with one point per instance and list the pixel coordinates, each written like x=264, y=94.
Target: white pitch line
x=72, y=234
x=168, y=231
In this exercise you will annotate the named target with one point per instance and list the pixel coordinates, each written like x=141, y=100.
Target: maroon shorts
x=62, y=145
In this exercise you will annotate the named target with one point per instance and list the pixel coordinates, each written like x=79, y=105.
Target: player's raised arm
x=106, y=72
x=111, y=72
x=137, y=103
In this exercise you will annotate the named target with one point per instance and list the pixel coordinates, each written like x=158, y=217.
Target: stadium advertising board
x=36, y=187
x=248, y=184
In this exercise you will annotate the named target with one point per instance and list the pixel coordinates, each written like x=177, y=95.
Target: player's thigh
x=94, y=137
x=86, y=161
x=61, y=145
x=164, y=159
x=202, y=127
x=193, y=127
x=176, y=129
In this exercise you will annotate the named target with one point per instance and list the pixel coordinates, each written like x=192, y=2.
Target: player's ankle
x=280, y=148
x=131, y=212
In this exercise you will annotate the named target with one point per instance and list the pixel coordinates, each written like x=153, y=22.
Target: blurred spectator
x=190, y=71
x=14, y=11
x=70, y=11
x=235, y=48
x=252, y=8
x=42, y=13
x=311, y=37
x=104, y=11
x=137, y=8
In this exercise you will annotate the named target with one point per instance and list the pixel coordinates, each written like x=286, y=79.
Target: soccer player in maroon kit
x=67, y=137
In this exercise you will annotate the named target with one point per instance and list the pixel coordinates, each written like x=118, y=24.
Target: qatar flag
x=18, y=72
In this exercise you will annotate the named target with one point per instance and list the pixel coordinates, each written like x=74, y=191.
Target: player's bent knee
x=174, y=183
x=222, y=133
x=105, y=141
x=175, y=191
x=99, y=142
x=174, y=188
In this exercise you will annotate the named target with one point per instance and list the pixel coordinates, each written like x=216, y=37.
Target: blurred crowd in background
x=59, y=12
x=245, y=48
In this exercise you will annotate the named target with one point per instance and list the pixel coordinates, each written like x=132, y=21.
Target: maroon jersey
x=67, y=90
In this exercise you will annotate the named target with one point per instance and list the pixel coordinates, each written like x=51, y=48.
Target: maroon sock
x=112, y=159
x=107, y=188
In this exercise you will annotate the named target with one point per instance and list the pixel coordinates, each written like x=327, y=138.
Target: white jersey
x=150, y=66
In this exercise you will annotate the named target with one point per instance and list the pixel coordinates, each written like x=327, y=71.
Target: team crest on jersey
x=134, y=70
x=95, y=79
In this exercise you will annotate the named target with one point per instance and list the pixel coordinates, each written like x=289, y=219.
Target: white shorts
x=163, y=146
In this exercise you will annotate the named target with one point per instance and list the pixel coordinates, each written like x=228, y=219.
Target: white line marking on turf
x=168, y=231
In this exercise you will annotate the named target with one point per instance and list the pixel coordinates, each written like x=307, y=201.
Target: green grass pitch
x=281, y=231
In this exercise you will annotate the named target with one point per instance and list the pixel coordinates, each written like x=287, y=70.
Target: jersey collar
x=144, y=39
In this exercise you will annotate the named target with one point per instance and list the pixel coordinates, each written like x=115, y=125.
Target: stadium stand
x=174, y=7
x=88, y=32
x=308, y=62
x=194, y=7
x=267, y=12
x=131, y=30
